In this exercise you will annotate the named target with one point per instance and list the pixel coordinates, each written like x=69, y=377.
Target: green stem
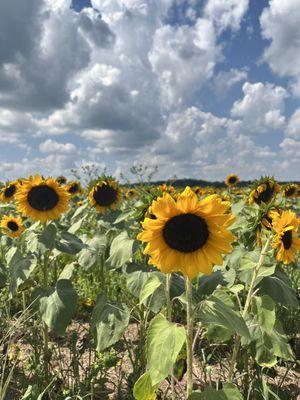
x=246, y=308
x=189, y=333
x=45, y=327
x=169, y=317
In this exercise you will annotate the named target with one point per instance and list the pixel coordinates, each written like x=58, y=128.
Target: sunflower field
x=145, y=291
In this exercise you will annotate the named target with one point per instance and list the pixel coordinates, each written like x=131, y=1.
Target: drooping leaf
x=109, y=321
x=121, y=250
x=164, y=342
x=69, y=243
x=57, y=305
x=143, y=389
x=279, y=287
x=20, y=269
x=214, y=311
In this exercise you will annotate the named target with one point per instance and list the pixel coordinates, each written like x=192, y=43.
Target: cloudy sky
x=198, y=88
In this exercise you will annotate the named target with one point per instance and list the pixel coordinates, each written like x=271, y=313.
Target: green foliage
x=164, y=342
x=109, y=321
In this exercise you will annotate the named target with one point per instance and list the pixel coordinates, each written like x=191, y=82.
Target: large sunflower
x=286, y=241
x=264, y=191
x=12, y=226
x=105, y=195
x=8, y=192
x=42, y=199
x=232, y=180
x=187, y=235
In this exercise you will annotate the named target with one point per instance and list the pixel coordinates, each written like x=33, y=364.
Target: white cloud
x=261, y=108
x=225, y=80
x=280, y=24
x=51, y=146
x=226, y=13
x=293, y=127
x=183, y=58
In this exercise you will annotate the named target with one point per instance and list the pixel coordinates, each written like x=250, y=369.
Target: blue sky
x=198, y=88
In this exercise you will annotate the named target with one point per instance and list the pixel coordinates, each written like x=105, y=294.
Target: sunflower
x=74, y=188
x=264, y=191
x=232, y=180
x=61, y=180
x=286, y=241
x=290, y=190
x=131, y=193
x=8, y=192
x=12, y=226
x=105, y=195
x=42, y=199
x=187, y=235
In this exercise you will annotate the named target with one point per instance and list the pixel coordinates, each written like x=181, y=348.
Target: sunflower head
x=264, y=191
x=61, y=180
x=74, y=188
x=42, y=199
x=290, y=190
x=131, y=193
x=186, y=234
x=105, y=194
x=286, y=241
x=232, y=180
x=8, y=192
x=12, y=226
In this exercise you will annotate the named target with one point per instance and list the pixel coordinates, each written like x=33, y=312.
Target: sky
x=198, y=88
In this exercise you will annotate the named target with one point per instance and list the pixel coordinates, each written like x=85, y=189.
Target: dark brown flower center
x=10, y=191
x=43, y=198
x=73, y=188
x=232, y=179
x=13, y=226
x=61, y=180
x=287, y=239
x=186, y=233
x=266, y=195
x=105, y=195
x=290, y=191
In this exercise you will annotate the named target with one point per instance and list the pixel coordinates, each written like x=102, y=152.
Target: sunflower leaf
x=164, y=342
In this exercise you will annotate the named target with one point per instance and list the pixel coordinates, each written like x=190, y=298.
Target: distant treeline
x=199, y=182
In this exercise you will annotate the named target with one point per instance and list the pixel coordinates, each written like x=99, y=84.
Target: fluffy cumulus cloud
x=135, y=81
x=280, y=25
x=226, y=14
x=261, y=108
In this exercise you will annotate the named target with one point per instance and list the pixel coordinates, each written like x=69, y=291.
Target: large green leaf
x=69, y=243
x=269, y=346
x=20, y=268
x=164, y=342
x=206, y=284
x=137, y=277
x=264, y=310
x=40, y=242
x=57, y=305
x=229, y=392
x=121, y=250
x=143, y=389
x=94, y=252
x=149, y=288
x=109, y=321
x=279, y=287
x=214, y=311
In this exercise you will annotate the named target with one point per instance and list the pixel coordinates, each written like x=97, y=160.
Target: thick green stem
x=45, y=327
x=246, y=308
x=189, y=346
x=169, y=317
